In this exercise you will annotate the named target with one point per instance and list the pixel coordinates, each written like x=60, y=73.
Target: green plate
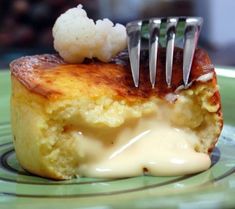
x=214, y=188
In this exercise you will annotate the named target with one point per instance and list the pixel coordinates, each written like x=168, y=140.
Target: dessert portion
x=79, y=114
x=89, y=120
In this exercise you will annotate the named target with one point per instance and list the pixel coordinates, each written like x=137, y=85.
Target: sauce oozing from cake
x=150, y=146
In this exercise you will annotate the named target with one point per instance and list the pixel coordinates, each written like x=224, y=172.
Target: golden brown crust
x=36, y=71
x=28, y=70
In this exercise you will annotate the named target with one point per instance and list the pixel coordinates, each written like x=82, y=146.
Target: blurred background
x=25, y=25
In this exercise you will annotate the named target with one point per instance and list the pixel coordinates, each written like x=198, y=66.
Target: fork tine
x=154, y=32
x=170, y=32
x=134, y=42
x=192, y=29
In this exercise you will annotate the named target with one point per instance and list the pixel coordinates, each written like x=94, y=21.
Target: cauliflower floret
x=77, y=37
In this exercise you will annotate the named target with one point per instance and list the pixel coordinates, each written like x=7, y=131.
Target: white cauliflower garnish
x=77, y=37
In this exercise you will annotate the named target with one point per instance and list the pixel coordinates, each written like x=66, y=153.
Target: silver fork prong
x=170, y=32
x=192, y=29
x=134, y=43
x=154, y=32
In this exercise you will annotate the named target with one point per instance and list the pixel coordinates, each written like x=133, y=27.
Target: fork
x=191, y=34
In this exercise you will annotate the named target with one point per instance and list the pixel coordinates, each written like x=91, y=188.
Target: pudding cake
x=88, y=119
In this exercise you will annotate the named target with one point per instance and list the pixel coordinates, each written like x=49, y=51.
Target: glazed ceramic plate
x=214, y=188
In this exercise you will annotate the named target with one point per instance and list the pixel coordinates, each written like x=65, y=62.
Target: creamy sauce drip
x=148, y=147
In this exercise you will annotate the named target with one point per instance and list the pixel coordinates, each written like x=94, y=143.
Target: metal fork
x=191, y=34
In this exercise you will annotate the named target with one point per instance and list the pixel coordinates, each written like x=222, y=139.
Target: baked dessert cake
x=79, y=114
x=89, y=120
